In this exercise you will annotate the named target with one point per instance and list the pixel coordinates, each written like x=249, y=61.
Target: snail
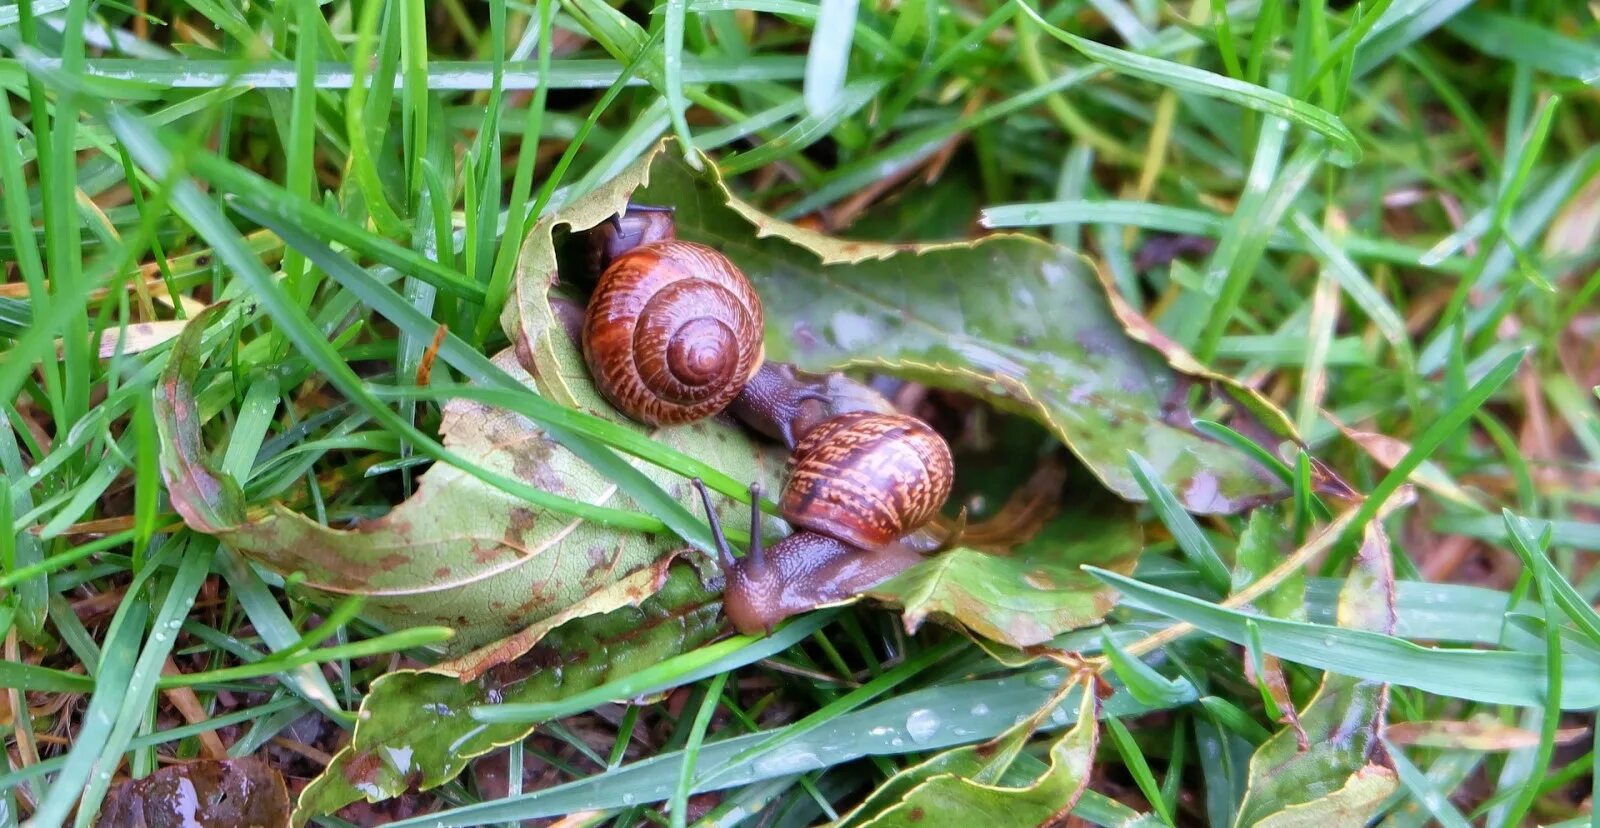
x=861, y=487
x=673, y=333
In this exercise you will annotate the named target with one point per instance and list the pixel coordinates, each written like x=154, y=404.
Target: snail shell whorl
x=868, y=478
x=673, y=332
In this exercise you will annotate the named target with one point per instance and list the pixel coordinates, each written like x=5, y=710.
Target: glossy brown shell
x=672, y=333
x=867, y=478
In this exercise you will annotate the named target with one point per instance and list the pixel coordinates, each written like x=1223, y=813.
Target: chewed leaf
x=1032, y=594
x=1020, y=323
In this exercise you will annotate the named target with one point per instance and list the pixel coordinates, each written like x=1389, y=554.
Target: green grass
x=1397, y=200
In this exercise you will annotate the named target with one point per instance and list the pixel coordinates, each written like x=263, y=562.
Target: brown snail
x=861, y=485
x=673, y=331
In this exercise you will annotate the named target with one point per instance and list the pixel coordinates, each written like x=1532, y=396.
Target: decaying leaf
x=1343, y=772
x=228, y=793
x=459, y=552
x=1389, y=451
x=1481, y=733
x=415, y=728
x=973, y=784
x=1020, y=323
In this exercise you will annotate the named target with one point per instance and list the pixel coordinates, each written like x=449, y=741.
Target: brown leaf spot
x=600, y=559
x=442, y=572
x=393, y=560
x=916, y=814
x=484, y=555
x=362, y=769
x=1039, y=579
x=521, y=520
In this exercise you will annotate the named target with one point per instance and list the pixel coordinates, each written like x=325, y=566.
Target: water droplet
x=1049, y=679
x=881, y=731
x=896, y=742
x=1059, y=716
x=627, y=798
x=980, y=709
x=1330, y=641
x=921, y=725
x=35, y=473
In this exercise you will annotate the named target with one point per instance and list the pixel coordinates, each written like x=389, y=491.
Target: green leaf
x=1191, y=541
x=1494, y=677
x=1341, y=772
x=461, y=553
x=972, y=784
x=829, y=54
x=1032, y=594
x=1052, y=347
x=1520, y=40
x=416, y=727
x=923, y=720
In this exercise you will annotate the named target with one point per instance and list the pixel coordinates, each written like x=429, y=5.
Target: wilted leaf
x=1344, y=773
x=1018, y=322
x=230, y=793
x=1481, y=733
x=973, y=784
x=1262, y=545
x=1032, y=594
x=459, y=552
x=1389, y=451
x=415, y=728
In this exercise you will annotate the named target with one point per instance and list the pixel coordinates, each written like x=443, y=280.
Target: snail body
x=673, y=333
x=861, y=485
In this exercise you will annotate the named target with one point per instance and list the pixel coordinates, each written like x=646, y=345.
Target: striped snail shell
x=867, y=479
x=673, y=332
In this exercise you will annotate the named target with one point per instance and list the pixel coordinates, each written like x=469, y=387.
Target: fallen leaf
x=974, y=784
x=228, y=793
x=459, y=552
x=415, y=728
x=1333, y=769
x=1025, y=325
x=1032, y=594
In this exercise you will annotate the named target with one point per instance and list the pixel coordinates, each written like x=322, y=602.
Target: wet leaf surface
x=415, y=729
x=975, y=783
x=1343, y=773
x=1023, y=324
x=230, y=793
x=1035, y=592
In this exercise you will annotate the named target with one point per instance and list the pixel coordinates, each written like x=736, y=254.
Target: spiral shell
x=867, y=479
x=673, y=332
